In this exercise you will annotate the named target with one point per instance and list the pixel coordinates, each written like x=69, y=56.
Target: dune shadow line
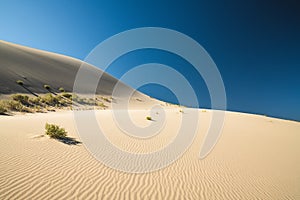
x=29, y=91
x=68, y=140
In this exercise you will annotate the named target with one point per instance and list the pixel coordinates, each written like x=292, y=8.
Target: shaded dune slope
x=37, y=68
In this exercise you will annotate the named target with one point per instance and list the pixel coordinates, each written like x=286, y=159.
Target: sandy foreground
x=257, y=157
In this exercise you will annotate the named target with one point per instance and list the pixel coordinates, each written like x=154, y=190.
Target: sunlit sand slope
x=256, y=158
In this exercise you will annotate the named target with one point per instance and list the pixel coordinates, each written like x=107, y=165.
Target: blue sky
x=255, y=44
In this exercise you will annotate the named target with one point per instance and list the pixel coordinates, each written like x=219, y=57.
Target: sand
x=256, y=157
x=37, y=68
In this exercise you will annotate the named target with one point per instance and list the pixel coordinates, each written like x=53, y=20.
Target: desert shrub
x=101, y=104
x=35, y=100
x=67, y=95
x=13, y=105
x=55, y=131
x=61, y=89
x=17, y=106
x=50, y=100
x=3, y=108
x=148, y=118
x=106, y=99
x=77, y=99
x=90, y=102
x=38, y=108
x=23, y=99
x=63, y=102
x=19, y=82
x=47, y=87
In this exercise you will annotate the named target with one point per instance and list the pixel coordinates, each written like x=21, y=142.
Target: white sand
x=256, y=158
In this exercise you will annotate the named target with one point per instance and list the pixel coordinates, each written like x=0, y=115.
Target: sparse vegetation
x=35, y=100
x=50, y=100
x=47, y=87
x=77, y=99
x=61, y=89
x=19, y=82
x=54, y=131
x=23, y=99
x=3, y=109
x=148, y=118
x=106, y=99
x=47, y=102
x=17, y=106
x=67, y=95
x=101, y=104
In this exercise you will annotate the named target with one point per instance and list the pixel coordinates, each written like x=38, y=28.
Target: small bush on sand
x=77, y=99
x=106, y=99
x=3, y=109
x=50, y=100
x=61, y=89
x=54, y=131
x=38, y=109
x=47, y=87
x=101, y=104
x=23, y=99
x=35, y=100
x=19, y=82
x=17, y=106
x=148, y=118
x=67, y=95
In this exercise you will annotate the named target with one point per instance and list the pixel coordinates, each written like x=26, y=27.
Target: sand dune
x=257, y=157
x=37, y=68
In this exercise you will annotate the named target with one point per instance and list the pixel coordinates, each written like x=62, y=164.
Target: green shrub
x=47, y=87
x=17, y=106
x=3, y=108
x=35, y=100
x=54, y=131
x=50, y=100
x=23, y=99
x=19, y=82
x=77, y=99
x=61, y=89
x=101, y=104
x=13, y=105
x=63, y=102
x=38, y=108
x=67, y=95
x=106, y=99
x=90, y=102
x=148, y=118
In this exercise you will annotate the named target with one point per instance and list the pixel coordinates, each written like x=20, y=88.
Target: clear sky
x=255, y=44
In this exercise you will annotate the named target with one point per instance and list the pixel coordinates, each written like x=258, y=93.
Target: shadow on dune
x=68, y=141
x=51, y=91
x=5, y=114
x=28, y=90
